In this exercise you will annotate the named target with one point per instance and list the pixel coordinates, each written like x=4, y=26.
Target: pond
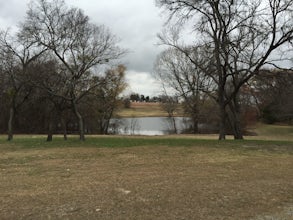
x=148, y=125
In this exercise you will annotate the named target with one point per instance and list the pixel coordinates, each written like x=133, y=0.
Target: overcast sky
x=135, y=22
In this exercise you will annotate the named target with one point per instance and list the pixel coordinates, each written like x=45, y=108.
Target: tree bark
x=10, y=124
x=49, y=137
x=80, y=121
x=195, y=119
x=196, y=110
x=236, y=119
x=50, y=131
x=238, y=134
x=105, y=131
x=223, y=113
x=173, y=121
x=64, y=127
x=195, y=126
x=222, y=125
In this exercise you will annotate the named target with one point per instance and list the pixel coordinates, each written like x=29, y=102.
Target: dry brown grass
x=272, y=132
x=144, y=183
x=145, y=109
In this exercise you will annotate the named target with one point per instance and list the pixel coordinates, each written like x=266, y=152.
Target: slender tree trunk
x=50, y=131
x=64, y=127
x=10, y=124
x=195, y=117
x=174, y=124
x=196, y=111
x=49, y=137
x=106, y=126
x=108, y=122
x=223, y=114
x=80, y=121
x=172, y=120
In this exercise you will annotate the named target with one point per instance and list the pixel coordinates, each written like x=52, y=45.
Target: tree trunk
x=196, y=111
x=173, y=121
x=10, y=124
x=65, y=134
x=195, y=122
x=108, y=121
x=49, y=137
x=50, y=131
x=64, y=127
x=195, y=126
x=80, y=122
x=235, y=120
x=222, y=125
x=223, y=114
x=238, y=134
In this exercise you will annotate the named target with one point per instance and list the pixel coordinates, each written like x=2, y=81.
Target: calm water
x=147, y=125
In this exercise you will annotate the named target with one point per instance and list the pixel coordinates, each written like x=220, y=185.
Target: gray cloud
x=142, y=83
x=135, y=23
x=11, y=12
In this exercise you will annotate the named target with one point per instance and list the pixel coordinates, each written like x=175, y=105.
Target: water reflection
x=148, y=125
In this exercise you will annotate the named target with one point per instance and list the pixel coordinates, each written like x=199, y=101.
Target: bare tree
x=170, y=104
x=102, y=102
x=174, y=70
x=49, y=77
x=241, y=37
x=273, y=92
x=75, y=41
x=16, y=54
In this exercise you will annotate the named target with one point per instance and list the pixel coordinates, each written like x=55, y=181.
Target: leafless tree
x=80, y=45
x=49, y=77
x=174, y=70
x=272, y=92
x=16, y=55
x=170, y=105
x=103, y=101
x=241, y=37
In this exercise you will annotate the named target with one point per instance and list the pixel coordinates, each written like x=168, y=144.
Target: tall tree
x=174, y=70
x=16, y=55
x=49, y=77
x=170, y=105
x=104, y=100
x=240, y=38
x=80, y=45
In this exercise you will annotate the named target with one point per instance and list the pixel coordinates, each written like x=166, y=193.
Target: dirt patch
x=145, y=183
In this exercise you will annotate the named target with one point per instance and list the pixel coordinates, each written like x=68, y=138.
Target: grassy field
x=145, y=109
x=170, y=177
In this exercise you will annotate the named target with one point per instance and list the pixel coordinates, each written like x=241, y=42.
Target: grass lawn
x=146, y=109
x=171, y=177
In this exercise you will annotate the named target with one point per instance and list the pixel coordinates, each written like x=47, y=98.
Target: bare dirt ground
x=145, y=183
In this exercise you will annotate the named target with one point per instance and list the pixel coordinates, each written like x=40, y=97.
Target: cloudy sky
x=135, y=22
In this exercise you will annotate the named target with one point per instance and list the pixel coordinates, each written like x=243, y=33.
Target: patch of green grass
x=27, y=142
